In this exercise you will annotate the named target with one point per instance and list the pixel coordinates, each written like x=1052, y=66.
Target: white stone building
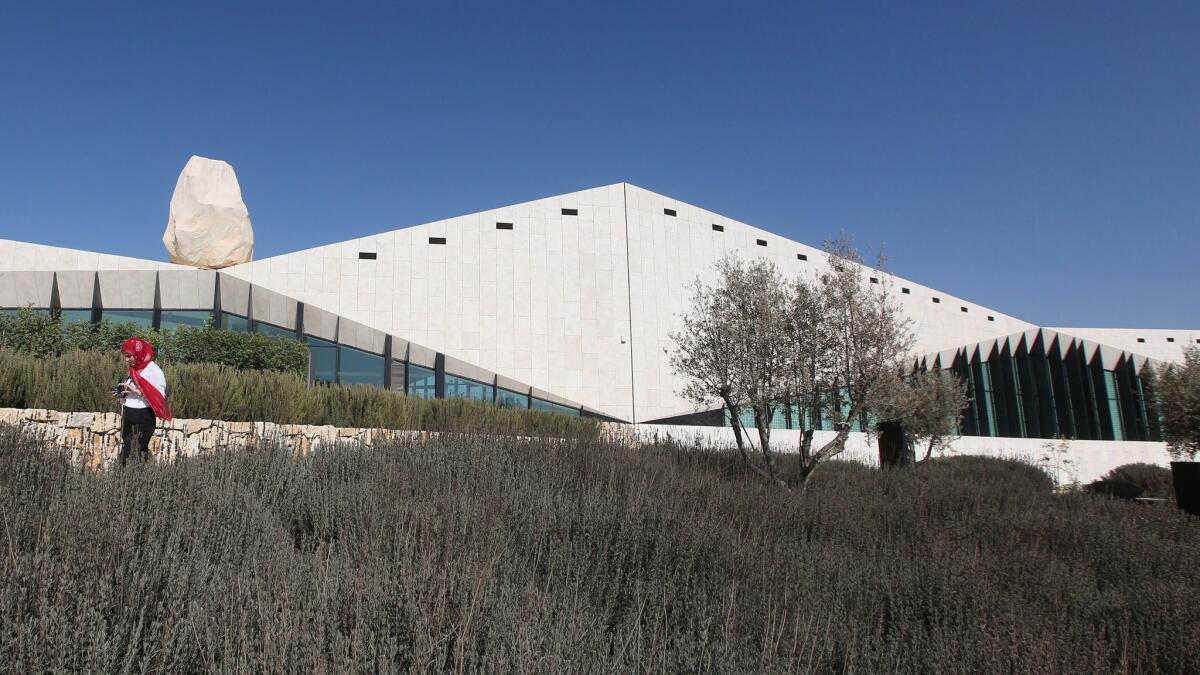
x=565, y=303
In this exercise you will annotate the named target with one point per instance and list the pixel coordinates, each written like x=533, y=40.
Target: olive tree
x=926, y=407
x=733, y=350
x=1178, y=392
x=853, y=348
x=822, y=348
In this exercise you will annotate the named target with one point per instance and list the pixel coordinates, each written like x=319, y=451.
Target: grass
x=500, y=554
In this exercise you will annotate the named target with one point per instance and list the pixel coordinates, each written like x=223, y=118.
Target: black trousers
x=137, y=426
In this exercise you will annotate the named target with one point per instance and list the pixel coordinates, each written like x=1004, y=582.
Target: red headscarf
x=143, y=354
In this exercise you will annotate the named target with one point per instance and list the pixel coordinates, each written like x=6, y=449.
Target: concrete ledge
x=552, y=398
x=235, y=295
x=469, y=371
x=273, y=308
x=421, y=356
x=76, y=290
x=354, y=334
x=512, y=385
x=19, y=289
x=319, y=323
x=127, y=289
x=185, y=289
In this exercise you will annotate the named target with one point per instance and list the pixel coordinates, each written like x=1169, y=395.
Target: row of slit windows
x=716, y=228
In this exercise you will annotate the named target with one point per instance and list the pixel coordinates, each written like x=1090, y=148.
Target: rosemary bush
x=1155, y=481
x=79, y=381
x=502, y=555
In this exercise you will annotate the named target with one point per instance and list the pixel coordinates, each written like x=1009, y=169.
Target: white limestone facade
x=573, y=298
x=1161, y=345
x=581, y=305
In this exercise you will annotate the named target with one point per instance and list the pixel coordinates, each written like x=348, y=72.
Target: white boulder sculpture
x=208, y=225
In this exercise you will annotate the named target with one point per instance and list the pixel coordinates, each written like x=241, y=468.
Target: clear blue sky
x=1039, y=158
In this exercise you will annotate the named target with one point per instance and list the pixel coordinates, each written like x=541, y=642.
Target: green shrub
x=1013, y=475
x=79, y=381
x=1155, y=481
x=41, y=334
x=32, y=331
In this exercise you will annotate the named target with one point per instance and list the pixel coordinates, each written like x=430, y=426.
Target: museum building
x=568, y=304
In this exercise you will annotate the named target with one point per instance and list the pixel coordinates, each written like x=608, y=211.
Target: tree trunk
x=737, y=427
x=828, y=451
x=736, y=423
x=894, y=447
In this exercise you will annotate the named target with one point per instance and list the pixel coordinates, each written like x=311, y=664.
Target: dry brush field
x=488, y=554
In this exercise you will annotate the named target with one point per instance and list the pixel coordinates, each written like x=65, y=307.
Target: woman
x=144, y=398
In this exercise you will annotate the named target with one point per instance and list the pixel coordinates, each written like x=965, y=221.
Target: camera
x=118, y=390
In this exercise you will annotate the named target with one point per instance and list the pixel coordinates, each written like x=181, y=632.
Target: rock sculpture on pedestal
x=208, y=225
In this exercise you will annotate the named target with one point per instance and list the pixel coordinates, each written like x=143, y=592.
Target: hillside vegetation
x=79, y=381
x=506, y=555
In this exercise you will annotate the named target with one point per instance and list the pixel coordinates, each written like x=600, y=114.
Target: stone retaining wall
x=94, y=439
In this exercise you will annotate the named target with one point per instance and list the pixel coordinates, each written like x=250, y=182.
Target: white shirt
x=152, y=374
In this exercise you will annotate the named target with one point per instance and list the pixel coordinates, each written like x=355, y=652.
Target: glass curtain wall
x=236, y=323
x=175, y=318
x=268, y=329
x=422, y=382
x=511, y=399
x=138, y=317
x=323, y=360
x=461, y=387
x=75, y=315
x=547, y=406
x=358, y=367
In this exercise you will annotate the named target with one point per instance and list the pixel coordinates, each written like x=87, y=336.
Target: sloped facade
x=570, y=299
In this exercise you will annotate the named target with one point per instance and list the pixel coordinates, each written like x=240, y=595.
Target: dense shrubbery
x=1154, y=481
x=81, y=380
x=43, y=335
x=508, y=555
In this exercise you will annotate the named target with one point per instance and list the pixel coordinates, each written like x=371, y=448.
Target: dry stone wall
x=94, y=439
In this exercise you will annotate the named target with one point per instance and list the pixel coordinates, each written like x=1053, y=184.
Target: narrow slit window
x=718, y=228
x=905, y=291
x=801, y=256
x=669, y=212
x=1170, y=339
x=504, y=226
x=963, y=309
x=937, y=300
x=874, y=280
x=570, y=212
x=1141, y=339
x=366, y=255
x=437, y=240
x=991, y=318
x=761, y=242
